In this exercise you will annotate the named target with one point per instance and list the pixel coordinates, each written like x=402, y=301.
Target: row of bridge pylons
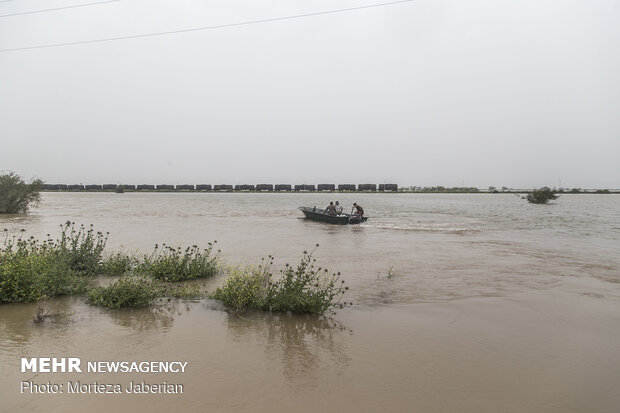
x=224, y=188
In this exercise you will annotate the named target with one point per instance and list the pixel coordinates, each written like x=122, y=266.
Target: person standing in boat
x=330, y=209
x=338, y=208
x=358, y=209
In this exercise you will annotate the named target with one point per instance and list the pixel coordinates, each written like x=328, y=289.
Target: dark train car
x=327, y=187
x=346, y=187
x=367, y=187
x=264, y=187
x=146, y=187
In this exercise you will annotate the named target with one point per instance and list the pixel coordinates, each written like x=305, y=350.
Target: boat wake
x=434, y=228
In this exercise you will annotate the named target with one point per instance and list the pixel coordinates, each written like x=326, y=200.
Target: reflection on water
x=304, y=345
x=24, y=220
x=18, y=325
x=141, y=319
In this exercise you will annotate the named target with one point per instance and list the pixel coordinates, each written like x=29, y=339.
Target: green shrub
x=30, y=271
x=541, y=196
x=175, y=264
x=305, y=289
x=81, y=247
x=245, y=288
x=185, y=290
x=120, y=189
x=131, y=291
x=16, y=196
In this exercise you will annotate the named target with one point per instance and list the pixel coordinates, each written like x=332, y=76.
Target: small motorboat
x=318, y=214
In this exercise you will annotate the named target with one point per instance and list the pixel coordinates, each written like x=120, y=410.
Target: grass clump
x=304, y=289
x=541, y=196
x=131, y=291
x=175, y=264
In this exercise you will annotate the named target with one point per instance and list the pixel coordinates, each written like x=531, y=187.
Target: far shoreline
x=194, y=191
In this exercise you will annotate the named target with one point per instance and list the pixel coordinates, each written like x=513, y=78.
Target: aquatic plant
x=130, y=291
x=16, y=195
x=177, y=264
x=541, y=196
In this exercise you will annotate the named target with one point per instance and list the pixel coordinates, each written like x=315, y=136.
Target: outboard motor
x=355, y=219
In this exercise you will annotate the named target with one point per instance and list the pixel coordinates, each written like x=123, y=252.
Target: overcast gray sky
x=429, y=92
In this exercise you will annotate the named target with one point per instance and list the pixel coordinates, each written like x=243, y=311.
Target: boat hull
x=320, y=216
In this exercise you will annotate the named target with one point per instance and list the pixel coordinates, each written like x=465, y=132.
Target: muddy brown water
x=468, y=303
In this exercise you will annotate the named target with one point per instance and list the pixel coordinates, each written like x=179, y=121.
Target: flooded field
x=468, y=303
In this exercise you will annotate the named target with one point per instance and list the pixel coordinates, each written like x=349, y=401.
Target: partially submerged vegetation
x=176, y=264
x=541, y=196
x=17, y=195
x=136, y=291
x=32, y=270
x=304, y=289
x=130, y=291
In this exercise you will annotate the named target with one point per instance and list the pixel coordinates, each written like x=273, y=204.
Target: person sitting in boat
x=358, y=209
x=330, y=209
x=338, y=208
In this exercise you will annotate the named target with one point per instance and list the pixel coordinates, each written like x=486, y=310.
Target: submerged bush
x=245, y=288
x=175, y=264
x=130, y=291
x=185, y=290
x=30, y=270
x=16, y=196
x=117, y=263
x=136, y=291
x=81, y=247
x=304, y=289
x=541, y=196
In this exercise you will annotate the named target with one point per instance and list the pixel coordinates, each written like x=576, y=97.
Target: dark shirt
x=359, y=209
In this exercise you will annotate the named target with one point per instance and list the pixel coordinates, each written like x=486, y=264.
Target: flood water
x=468, y=303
